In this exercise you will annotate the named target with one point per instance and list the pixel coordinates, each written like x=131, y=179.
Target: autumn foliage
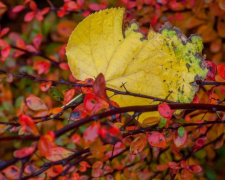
x=55, y=126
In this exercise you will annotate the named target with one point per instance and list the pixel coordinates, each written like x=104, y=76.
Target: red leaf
x=28, y=124
x=78, y=113
x=45, y=10
x=76, y=139
x=12, y=172
x=29, y=16
x=179, y=141
x=35, y=103
x=194, y=168
x=94, y=104
x=212, y=70
x=86, y=90
x=221, y=70
x=30, y=168
x=33, y=6
x=173, y=165
x=86, y=13
x=37, y=41
x=31, y=48
x=131, y=4
x=80, y=3
x=39, y=16
x=99, y=87
x=45, y=143
x=91, y=134
x=94, y=7
x=109, y=133
x=68, y=96
x=4, y=31
x=156, y=139
x=26, y=151
x=196, y=99
x=138, y=144
x=64, y=66
x=3, y=43
x=45, y=86
x=61, y=12
x=5, y=52
x=42, y=67
x=165, y=110
x=18, y=8
x=199, y=143
x=62, y=51
x=71, y=6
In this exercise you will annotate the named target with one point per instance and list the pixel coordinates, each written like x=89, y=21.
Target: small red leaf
x=80, y=3
x=91, y=134
x=29, y=16
x=12, y=172
x=42, y=67
x=69, y=96
x=61, y=12
x=78, y=113
x=33, y=5
x=199, y=143
x=94, y=7
x=39, y=16
x=28, y=124
x=212, y=70
x=4, y=31
x=221, y=70
x=35, y=103
x=18, y=8
x=156, y=139
x=64, y=66
x=71, y=6
x=45, y=86
x=164, y=110
x=194, y=168
x=173, y=165
x=5, y=52
x=37, y=41
x=26, y=151
x=45, y=10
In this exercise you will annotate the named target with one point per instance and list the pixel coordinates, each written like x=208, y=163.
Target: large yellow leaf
x=163, y=64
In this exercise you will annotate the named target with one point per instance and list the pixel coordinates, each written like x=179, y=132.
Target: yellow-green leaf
x=163, y=64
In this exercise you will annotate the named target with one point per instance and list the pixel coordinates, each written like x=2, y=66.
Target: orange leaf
x=221, y=70
x=45, y=86
x=12, y=172
x=58, y=153
x=28, y=124
x=138, y=144
x=69, y=96
x=35, y=103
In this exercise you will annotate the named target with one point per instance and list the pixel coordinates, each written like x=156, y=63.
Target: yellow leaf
x=163, y=64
